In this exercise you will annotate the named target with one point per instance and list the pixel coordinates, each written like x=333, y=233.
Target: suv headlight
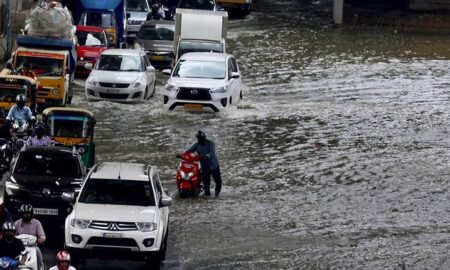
x=92, y=80
x=80, y=223
x=220, y=90
x=170, y=87
x=146, y=226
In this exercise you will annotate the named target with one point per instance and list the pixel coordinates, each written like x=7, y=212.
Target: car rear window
x=48, y=164
x=118, y=192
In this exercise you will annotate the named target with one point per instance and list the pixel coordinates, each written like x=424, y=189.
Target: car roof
x=205, y=56
x=120, y=170
x=89, y=28
x=128, y=52
x=158, y=22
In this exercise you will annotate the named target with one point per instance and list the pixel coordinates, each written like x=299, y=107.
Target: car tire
x=163, y=250
x=184, y=193
x=153, y=87
x=154, y=261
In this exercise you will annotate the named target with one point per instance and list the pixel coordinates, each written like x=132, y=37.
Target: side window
x=143, y=64
x=158, y=184
x=229, y=69
x=147, y=61
x=234, y=66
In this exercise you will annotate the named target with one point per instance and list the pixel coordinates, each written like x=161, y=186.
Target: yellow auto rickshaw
x=72, y=127
x=12, y=85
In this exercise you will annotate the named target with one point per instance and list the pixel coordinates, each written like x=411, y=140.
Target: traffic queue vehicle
x=91, y=42
x=73, y=128
x=11, y=85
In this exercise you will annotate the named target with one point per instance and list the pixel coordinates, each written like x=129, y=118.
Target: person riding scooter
x=9, y=245
x=39, y=138
x=20, y=110
x=63, y=261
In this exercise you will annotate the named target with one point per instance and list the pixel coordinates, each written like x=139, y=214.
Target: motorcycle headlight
x=170, y=87
x=220, y=90
x=146, y=226
x=4, y=263
x=92, y=81
x=186, y=176
x=80, y=223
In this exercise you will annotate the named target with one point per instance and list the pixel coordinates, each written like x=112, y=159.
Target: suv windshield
x=137, y=5
x=197, y=4
x=91, y=38
x=54, y=164
x=157, y=32
x=200, y=69
x=119, y=192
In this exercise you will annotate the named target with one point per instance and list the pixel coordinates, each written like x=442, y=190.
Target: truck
x=199, y=31
x=237, y=7
x=108, y=14
x=53, y=60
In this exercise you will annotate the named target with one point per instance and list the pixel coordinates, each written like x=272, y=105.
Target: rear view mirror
x=88, y=66
x=167, y=72
x=166, y=201
x=68, y=196
x=150, y=69
x=235, y=75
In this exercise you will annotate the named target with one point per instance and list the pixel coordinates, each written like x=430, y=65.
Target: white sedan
x=122, y=75
x=203, y=81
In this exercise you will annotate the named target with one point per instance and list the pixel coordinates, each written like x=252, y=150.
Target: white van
x=137, y=11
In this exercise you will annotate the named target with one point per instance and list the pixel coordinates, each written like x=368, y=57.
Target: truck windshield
x=119, y=192
x=91, y=38
x=157, y=32
x=137, y=5
x=197, y=4
x=200, y=69
x=190, y=46
x=9, y=93
x=41, y=66
x=119, y=63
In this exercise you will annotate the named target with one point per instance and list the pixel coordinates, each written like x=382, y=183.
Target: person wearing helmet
x=210, y=164
x=9, y=245
x=63, y=261
x=29, y=225
x=156, y=12
x=39, y=138
x=20, y=110
x=26, y=71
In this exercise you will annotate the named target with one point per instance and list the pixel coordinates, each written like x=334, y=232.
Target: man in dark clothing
x=11, y=246
x=208, y=159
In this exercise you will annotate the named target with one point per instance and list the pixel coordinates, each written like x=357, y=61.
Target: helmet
x=20, y=100
x=63, y=256
x=40, y=126
x=26, y=208
x=8, y=226
x=200, y=135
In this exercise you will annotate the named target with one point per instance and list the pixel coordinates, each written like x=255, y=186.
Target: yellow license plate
x=158, y=57
x=40, y=100
x=193, y=107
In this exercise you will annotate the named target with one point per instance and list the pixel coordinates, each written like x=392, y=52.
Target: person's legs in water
x=217, y=179
x=206, y=178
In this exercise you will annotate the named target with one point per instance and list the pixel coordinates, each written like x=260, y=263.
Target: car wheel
x=231, y=101
x=146, y=94
x=153, y=88
x=240, y=95
x=184, y=193
x=164, y=246
x=154, y=262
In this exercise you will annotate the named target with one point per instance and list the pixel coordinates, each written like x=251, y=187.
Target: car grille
x=194, y=94
x=102, y=241
x=113, y=96
x=113, y=226
x=114, y=85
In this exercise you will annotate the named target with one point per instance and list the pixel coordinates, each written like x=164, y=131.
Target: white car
x=124, y=75
x=121, y=213
x=203, y=81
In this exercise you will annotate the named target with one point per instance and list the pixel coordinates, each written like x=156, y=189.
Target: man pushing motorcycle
x=210, y=164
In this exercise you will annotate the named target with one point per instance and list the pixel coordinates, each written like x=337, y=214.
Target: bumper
x=218, y=103
x=115, y=94
x=161, y=61
x=133, y=28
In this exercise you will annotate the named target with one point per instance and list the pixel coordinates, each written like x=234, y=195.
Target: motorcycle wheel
x=184, y=193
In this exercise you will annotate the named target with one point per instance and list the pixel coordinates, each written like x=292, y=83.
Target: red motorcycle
x=189, y=180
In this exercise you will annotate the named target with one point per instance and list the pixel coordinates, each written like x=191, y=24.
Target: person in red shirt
x=26, y=71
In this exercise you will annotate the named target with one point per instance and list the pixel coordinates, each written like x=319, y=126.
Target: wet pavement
x=337, y=158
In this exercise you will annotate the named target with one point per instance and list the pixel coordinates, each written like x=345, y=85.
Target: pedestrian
x=210, y=164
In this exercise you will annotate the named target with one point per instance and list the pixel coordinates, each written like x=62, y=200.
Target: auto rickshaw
x=72, y=127
x=12, y=85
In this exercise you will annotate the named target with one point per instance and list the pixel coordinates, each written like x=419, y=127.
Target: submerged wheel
x=184, y=193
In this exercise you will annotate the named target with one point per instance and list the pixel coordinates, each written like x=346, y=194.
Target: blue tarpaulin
x=101, y=4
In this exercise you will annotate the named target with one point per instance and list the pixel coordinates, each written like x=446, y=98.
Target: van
x=137, y=11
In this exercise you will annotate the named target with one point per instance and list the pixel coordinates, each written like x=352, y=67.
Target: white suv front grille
x=113, y=226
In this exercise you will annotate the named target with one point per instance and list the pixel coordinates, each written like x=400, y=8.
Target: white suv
x=121, y=213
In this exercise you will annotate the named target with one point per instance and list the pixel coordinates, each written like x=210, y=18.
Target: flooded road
x=337, y=158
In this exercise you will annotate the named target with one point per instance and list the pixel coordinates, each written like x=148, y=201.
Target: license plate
x=157, y=58
x=112, y=90
x=45, y=211
x=195, y=107
x=40, y=100
x=112, y=235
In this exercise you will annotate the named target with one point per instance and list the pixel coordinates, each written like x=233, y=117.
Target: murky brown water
x=338, y=157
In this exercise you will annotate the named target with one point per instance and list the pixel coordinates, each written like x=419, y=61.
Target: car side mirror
x=88, y=66
x=128, y=15
x=150, y=69
x=235, y=75
x=165, y=201
x=167, y=71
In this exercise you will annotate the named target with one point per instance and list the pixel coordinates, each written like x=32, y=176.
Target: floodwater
x=337, y=158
